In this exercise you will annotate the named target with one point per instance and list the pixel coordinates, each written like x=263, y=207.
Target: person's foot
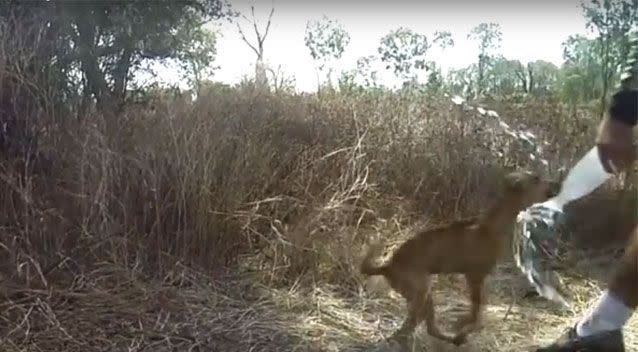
x=608, y=341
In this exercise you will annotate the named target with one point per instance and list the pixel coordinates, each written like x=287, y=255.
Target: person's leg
x=624, y=284
x=619, y=301
x=601, y=329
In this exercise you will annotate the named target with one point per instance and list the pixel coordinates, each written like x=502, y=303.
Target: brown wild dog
x=469, y=246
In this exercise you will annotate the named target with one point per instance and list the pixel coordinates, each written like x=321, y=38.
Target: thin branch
x=272, y=11
x=259, y=40
x=243, y=37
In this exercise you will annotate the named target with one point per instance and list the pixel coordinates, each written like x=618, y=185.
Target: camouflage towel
x=538, y=235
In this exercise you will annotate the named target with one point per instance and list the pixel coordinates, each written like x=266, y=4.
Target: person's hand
x=615, y=144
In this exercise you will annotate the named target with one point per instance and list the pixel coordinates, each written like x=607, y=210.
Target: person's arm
x=614, y=150
x=615, y=134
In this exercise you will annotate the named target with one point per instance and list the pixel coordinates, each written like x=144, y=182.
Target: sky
x=532, y=30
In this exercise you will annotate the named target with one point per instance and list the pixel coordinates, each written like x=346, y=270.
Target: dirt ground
x=113, y=309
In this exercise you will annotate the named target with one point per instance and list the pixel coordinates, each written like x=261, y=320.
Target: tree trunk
x=522, y=77
x=481, y=73
x=120, y=76
x=261, y=80
x=531, y=82
x=96, y=83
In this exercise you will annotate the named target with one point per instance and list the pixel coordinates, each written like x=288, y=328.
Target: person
x=601, y=328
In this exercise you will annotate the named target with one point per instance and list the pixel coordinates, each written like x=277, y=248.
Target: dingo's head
x=529, y=187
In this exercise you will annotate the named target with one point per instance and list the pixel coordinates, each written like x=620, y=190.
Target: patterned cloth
x=538, y=238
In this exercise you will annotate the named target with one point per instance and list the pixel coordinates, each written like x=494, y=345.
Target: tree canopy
x=97, y=47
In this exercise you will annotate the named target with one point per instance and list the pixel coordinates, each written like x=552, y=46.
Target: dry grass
x=235, y=222
x=116, y=309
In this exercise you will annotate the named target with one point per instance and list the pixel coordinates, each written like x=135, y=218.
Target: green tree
x=462, y=81
x=443, y=39
x=542, y=78
x=610, y=21
x=435, y=78
x=505, y=77
x=489, y=37
x=196, y=61
x=363, y=77
x=107, y=42
x=326, y=39
x=404, y=51
x=434, y=83
x=366, y=72
x=579, y=77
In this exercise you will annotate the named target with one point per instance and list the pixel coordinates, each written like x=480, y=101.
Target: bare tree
x=258, y=47
x=281, y=82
